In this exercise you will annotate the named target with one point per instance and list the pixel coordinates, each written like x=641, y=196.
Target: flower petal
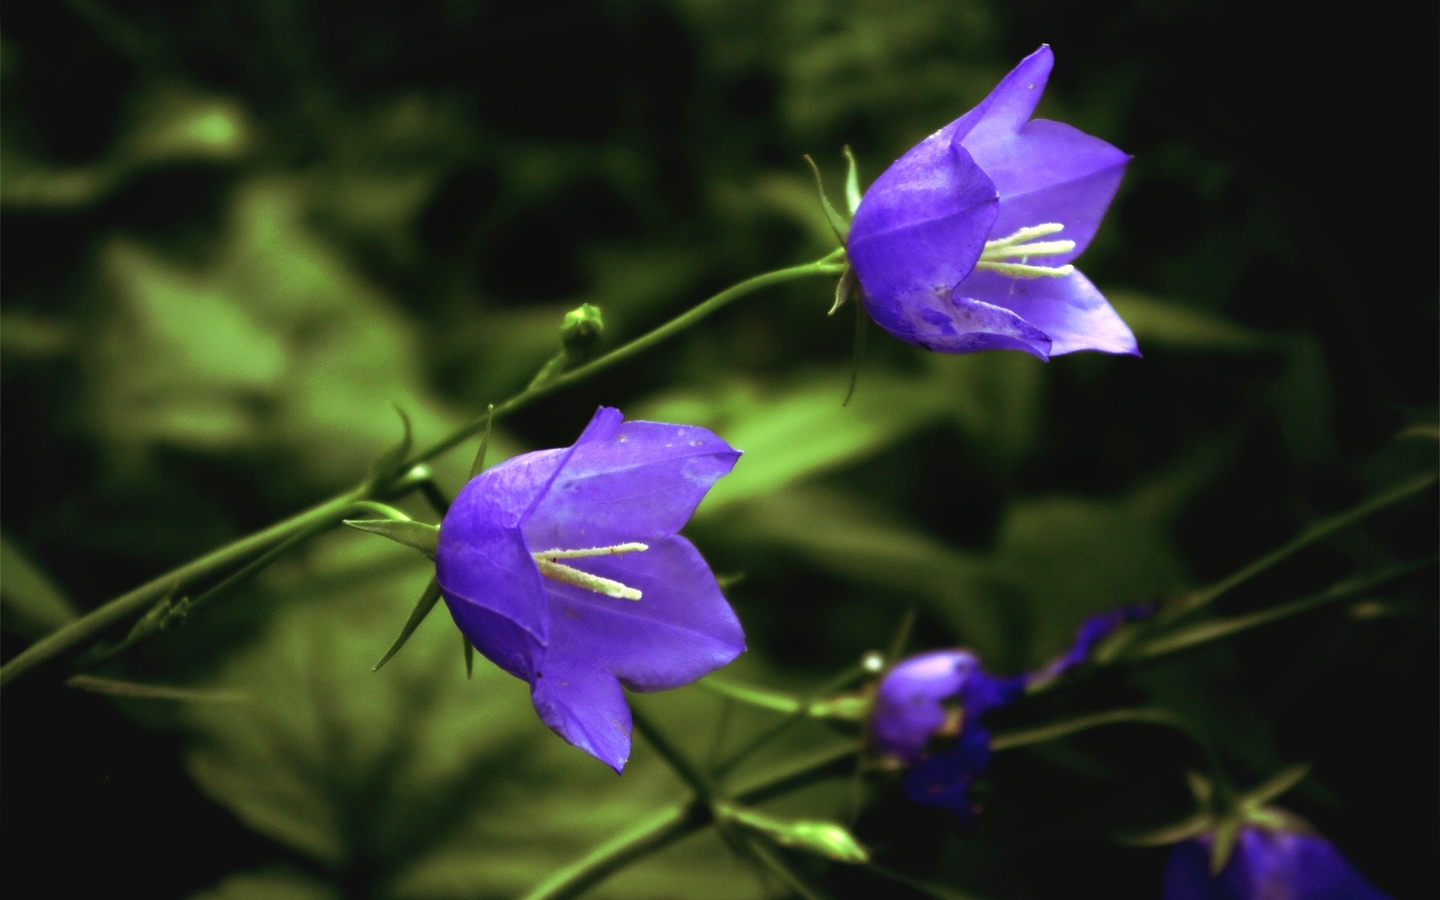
x=481, y=559
x=957, y=324
x=631, y=482
x=1007, y=107
x=1266, y=864
x=680, y=629
x=910, y=702
x=944, y=779
x=1070, y=311
x=584, y=705
x=923, y=223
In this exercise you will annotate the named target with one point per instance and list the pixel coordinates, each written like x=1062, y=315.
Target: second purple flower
x=965, y=242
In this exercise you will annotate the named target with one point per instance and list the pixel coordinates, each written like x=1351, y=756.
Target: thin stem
x=1223, y=628
x=1319, y=531
x=90, y=626
x=634, y=348
x=704, y=790
x=800, y=712
x=1022, y=737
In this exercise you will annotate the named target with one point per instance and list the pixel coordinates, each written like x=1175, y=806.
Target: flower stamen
x=555, y=571
x=1022, y=245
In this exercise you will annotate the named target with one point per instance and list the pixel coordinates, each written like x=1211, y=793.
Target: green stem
x=665, y=827
x=1223, y=628
x=90, y=626
x=793, y=715
x=634, y=348
x=1317, y=532
x=704, y=790
x=1021, y=737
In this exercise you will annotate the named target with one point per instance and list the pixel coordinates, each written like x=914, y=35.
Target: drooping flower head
x=564, y=568
x=965, y=242
x=924, y=702
x=928, y=715
x=1286, y=861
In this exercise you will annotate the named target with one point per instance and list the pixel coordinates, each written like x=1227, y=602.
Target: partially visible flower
x=1089, y=635
x=930, y=699
x=1286, y=861
x=928, y=715
x=965, y=242
x=564, y=568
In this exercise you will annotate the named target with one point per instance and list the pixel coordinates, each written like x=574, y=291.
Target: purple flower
x=964, y=243
x=931, y=698
x=564, y=568
x=1286, y=863
x=1089, y=635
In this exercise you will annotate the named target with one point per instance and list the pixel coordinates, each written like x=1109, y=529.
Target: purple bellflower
x=927, y=700
x=1288, y=861
x=965, y=242
x=564, y=568
x=929, y=713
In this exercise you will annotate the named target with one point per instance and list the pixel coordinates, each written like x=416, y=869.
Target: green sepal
x=478, y=465
x=469, y=658
x=852, y=183
x=1226, y=834
x=1192, y=826
x=838, y=224
x=388, y=467
x=417, y=615
x=419, y=535
x=843, y=289
x=821, y=838
x=862, y=330
x=1274, y=786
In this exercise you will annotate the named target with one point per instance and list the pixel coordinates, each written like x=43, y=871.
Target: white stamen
x=545, y=562
x=1015, y=246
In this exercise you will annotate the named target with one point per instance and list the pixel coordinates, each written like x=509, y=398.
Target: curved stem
x=635, y=347
x=90, y=626
x=664, y=827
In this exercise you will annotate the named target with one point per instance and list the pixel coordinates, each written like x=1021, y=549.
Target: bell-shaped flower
x=1286, y=860
x=928, y=714
x=564, y=568
x=965, y=242
x=928, y=718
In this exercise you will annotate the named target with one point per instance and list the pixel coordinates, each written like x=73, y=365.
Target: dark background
x=454, y=175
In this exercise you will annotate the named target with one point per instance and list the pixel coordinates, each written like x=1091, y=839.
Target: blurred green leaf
x=276, y=885
x=277, y=344
x=799, y=431
x=1171, y=326
x=32, y=605
x=438, y=786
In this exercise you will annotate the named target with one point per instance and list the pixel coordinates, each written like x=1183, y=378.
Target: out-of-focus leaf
x=442, y=786
x=846, y=539
x=31, y=604
x=995, y=399
x=1066, y=557
x=277, y=885
x=278, y=345
x=1302, y=403
x=174, y=125
x=1170, y=326
x=800, y=431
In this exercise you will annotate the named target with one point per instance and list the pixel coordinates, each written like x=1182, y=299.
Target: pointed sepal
x=417, y=615
x=852, y=183
x=478, y=465
x=838, y=223
x=419, y=535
